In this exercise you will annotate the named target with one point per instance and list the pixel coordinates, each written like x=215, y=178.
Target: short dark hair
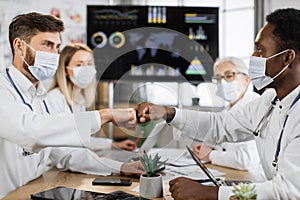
x=25, y=26
x=287, y=28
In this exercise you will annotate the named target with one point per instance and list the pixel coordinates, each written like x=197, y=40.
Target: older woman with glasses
x=231, y=77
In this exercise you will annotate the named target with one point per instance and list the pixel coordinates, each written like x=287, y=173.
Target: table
x=54, y=178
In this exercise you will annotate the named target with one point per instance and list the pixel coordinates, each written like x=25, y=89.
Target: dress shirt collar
x=25, y=85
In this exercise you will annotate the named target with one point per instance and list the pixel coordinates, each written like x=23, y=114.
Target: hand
x=126, y=145
x=125, y=118
x=187, y=189
x=202, y=151
x=148, y=111
x=132, y=168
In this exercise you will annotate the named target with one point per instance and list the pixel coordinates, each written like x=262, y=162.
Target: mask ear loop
x=23, y=56
x=281, y=71
x=284, y=67
x=29, y=46
x=277, y=54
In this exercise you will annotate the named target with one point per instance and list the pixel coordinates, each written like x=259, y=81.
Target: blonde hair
x=63, y=82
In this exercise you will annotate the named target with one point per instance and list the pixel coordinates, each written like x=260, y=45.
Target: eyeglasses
x=228, y=76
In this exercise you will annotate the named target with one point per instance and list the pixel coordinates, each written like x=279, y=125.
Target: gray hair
x=237, y=62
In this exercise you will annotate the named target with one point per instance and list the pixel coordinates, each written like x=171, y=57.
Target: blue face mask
x=45, y=64
x=257, y=71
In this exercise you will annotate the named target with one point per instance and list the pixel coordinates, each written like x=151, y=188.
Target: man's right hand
x=148, y=111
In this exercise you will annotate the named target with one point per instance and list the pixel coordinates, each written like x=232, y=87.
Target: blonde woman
x=74, y=86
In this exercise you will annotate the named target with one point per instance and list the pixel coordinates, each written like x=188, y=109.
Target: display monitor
x=153, y=43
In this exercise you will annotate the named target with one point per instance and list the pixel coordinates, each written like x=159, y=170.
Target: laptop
x=127, y=156
x=214, y=180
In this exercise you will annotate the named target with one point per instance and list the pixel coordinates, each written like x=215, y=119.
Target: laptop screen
x=204, y=169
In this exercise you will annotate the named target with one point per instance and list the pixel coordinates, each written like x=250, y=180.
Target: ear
x=69, y=72
x=247, y=81
x=290, y=56
x=18, y=47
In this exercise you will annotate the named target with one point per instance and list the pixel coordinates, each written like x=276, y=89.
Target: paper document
x=193, y=172
x=175, y=157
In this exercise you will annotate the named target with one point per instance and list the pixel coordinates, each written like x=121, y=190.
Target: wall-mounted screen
x=153, y=43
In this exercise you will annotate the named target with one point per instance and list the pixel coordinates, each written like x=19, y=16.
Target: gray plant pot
x=151, y=187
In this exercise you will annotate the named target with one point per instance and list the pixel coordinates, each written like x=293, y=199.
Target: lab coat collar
x=25, y=85
x=287, y=101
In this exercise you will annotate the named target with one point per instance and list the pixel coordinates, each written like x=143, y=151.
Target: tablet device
x=212, y=178
x=204, y=169
x=112, y=181
x=62, y=193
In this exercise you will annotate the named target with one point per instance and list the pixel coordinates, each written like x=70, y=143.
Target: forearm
x=99, y=143
x=230, y=159
x=194, y=124
x=240, y=155
x=71, y=159
x=106, y=115
x=35, y=131
x=211, y=127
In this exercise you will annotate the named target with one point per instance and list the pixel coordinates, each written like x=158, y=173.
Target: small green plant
x=244, y=191
x=151, y=165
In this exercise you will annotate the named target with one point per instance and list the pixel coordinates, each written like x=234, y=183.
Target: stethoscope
x=25, y=152
x=274, y=163
x=263, y=121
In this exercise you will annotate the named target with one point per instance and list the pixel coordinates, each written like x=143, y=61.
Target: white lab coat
x=283, y=182
x=35, y=130
x=241, y=155
x=57, y=103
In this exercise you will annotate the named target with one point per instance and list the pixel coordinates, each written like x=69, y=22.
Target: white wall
x=231, y=37
x=274, y=4
x=73, y=13
x=236, y=20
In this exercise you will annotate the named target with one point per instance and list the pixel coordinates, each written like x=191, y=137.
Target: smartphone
x=112, y=181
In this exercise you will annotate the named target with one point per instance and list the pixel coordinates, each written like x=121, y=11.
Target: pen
x=139, y=138
x=205, y=180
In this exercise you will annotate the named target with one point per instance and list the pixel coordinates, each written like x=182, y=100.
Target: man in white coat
x=273, y=120
x=29, y=134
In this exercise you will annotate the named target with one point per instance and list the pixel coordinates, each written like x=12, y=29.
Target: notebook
x=214, y=180
x=126, y=156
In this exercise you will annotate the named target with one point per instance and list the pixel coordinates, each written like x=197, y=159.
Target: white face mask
x=257, y=71
x=83, y=75
x=45, y=64
x=229, y=91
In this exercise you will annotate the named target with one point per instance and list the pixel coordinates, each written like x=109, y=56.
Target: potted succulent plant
x=151, y=182
x=243, y=191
